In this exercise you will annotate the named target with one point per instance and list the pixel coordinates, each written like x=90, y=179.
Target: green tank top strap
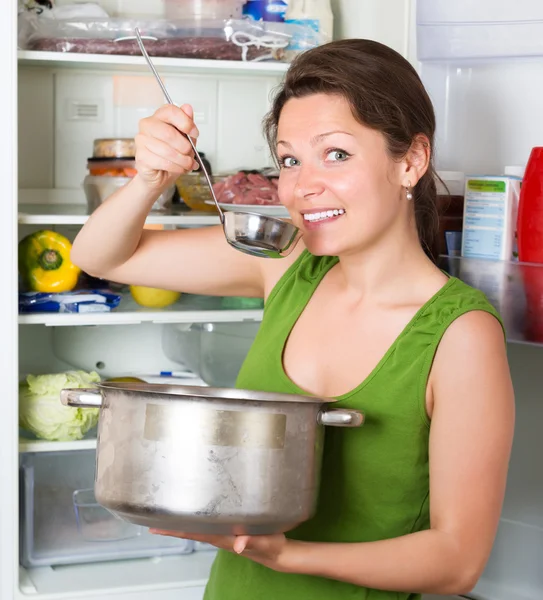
x=375, y=480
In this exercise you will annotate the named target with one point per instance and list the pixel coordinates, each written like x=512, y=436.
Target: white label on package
x=485, y=215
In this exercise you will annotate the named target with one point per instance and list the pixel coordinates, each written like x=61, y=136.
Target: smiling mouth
x=316, y=217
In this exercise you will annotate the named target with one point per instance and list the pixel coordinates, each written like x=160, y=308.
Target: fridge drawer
x=61, y=523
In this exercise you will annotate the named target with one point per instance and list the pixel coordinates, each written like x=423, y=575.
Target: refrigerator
x=482, y=64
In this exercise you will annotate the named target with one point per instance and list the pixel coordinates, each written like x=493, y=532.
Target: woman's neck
x=391, y=268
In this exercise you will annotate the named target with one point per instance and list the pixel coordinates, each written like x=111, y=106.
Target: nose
x=308, y=183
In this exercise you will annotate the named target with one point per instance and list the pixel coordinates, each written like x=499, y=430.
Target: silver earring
x=408, y=192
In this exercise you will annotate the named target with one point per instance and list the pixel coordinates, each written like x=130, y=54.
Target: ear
x=415, y=163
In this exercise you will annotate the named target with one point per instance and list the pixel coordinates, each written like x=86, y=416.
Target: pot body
x=207, y=464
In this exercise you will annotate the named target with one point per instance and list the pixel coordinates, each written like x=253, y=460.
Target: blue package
x=265, y=10
x=80, y=301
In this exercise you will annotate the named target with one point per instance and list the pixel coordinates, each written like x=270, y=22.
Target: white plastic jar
x=203, y=9
x=316, y=14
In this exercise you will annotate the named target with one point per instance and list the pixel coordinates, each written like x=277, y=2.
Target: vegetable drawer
x=61, y=522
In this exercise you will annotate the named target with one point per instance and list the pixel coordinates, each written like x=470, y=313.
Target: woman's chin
x=321, y=247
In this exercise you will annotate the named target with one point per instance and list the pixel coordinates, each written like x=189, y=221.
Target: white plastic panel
x=486, y=29
x=73, y=135
x=201, y=92
x=35, y=123
x=385, y=22
x=487, y=113
x=242, y=104
x=113, y=351
x=35, y=352
x=482, y=11
x=90, y=105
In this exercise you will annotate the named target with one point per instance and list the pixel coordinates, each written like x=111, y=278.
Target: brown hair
x=385, y=94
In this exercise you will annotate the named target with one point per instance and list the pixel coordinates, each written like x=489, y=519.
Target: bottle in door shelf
x=530, y=211
x=316, y=14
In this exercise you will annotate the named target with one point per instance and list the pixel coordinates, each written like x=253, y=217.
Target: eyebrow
x=318, y=138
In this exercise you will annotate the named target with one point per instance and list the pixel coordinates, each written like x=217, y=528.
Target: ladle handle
x=168, y=98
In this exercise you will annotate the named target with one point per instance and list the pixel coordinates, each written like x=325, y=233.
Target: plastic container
x=530, y=210
x=214, y=351
x=114, y=148
x=99, y=188
x=316, y=14
x=95, y=523
x=112, y=167
x=199, y=38
x=203, y=9
x=60, y=523
x=489, y=223
x=194, y=191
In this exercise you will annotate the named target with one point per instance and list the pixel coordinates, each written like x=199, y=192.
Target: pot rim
x=211, y=393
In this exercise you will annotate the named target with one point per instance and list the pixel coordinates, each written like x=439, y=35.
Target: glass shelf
x=77, y=214
x=514, y=289
x=188, y=309
x=105, y=62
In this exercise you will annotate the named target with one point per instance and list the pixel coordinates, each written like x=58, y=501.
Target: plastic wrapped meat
x=213, y=48
x=212, y=39
x=247, y=188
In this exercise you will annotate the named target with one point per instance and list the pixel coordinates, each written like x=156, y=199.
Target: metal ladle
x=251, y=233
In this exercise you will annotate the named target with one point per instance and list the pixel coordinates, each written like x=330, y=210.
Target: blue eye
x=337, y=155
x=287, y=162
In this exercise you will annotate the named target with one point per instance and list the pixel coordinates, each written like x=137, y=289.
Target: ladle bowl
x=252, y=233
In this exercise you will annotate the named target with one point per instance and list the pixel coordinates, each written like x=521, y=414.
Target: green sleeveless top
x=375, y=479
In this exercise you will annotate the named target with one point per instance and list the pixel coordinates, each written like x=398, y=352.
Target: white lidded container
x=203, y=9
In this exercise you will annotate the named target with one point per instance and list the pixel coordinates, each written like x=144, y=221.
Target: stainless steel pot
x=208, y=460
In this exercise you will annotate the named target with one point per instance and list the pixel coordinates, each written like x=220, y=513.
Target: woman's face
x=337, y=180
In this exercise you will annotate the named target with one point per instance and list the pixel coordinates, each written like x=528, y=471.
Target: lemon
x=153, y=297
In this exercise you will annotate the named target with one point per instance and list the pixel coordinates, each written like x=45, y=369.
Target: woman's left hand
x=268, y=550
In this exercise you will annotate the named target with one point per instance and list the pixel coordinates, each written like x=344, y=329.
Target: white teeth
x=320, y=216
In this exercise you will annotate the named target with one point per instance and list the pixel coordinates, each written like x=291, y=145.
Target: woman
x=410, y=502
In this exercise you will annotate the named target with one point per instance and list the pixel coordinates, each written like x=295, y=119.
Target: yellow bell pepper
x=44, y=262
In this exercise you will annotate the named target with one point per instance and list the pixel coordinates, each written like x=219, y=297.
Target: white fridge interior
x=488, y=108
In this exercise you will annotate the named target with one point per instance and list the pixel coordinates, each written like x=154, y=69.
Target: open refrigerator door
x=482, y=64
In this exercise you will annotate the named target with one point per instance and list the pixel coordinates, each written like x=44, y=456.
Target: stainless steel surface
x=260, y=235
x=208, y=460
x=251, y=233
x=82, y=398
x=341, y=418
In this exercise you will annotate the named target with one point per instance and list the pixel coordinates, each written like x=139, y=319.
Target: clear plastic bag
x=77, y=301
x=233, y=39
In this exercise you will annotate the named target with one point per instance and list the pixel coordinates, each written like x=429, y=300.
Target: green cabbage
x=41, y=412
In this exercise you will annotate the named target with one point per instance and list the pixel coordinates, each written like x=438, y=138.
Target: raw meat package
x=247, y=187
x=231, y=39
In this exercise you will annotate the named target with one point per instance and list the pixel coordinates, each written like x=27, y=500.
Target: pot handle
x=340, y=417
x=81, y=398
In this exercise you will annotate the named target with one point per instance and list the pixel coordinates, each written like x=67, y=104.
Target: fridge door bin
x=61, y=523
x=487, y=29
